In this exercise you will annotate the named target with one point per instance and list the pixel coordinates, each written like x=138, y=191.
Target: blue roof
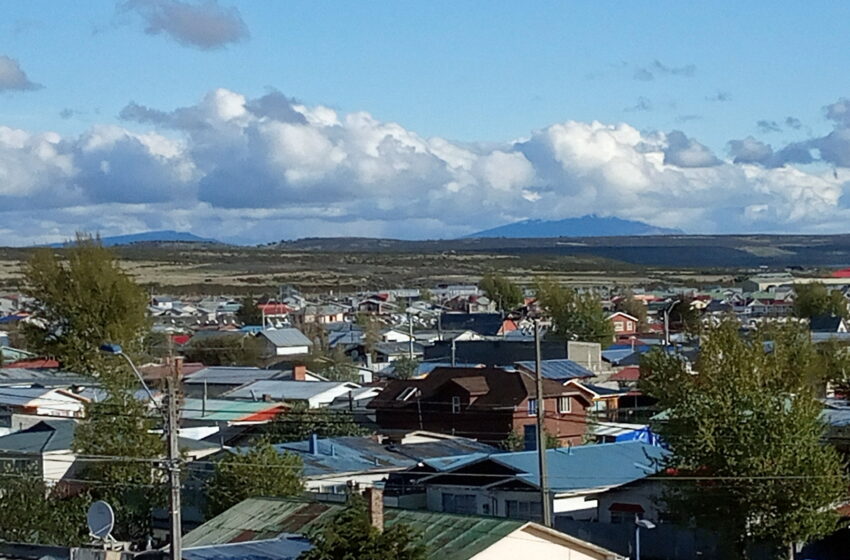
x=558, y=369
x=576, y=468
x=284, y=547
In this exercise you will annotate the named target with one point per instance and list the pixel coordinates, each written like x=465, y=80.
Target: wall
x=646, y=494
x=535, y=544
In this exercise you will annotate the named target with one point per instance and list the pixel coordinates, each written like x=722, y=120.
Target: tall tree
x=499, y=289
x=249, y=313
x=81, y=302
x=261, y=471
x=575, y=315
x=371, y=332
x=31, y=513
x=350, y=535
x=300, y=422
x=746, y=438
x=811, y=300
x=225, y=350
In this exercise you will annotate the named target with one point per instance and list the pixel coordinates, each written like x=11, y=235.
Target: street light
x=641, y=524
x=172, y=463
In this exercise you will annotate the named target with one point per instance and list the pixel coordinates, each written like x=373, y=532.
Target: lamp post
x=641, y=524
x=170, y=416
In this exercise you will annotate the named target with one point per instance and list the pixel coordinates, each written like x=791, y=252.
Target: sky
x=256, y=121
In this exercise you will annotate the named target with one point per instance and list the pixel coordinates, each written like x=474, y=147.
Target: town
x=252, y=424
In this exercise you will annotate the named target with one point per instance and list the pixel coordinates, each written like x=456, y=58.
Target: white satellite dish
x=101, y=519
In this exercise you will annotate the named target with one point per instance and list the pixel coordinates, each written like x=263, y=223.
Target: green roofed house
x=446, y=536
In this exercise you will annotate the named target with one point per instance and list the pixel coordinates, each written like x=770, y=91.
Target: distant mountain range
x=586, y=226
x=165, y=236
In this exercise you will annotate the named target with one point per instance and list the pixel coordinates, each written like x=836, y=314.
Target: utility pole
x=541, y=433
x=172, y=413
x=410, y=336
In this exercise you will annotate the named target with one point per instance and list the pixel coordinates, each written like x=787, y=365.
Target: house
x=557, y=370
x=827, y=324
x=214, y=381
x=448, y=537
x=220, y=413
x=488, y=404
x=624, y=324
x=285, y=342
x=46, y=447
x=507, y=484
x=41, y=401
x=315, y=394
x=492, y=352
x=486, y=324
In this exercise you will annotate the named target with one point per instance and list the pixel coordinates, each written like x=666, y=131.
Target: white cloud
x=267, y=168
x=205, y=24
x=12, y=76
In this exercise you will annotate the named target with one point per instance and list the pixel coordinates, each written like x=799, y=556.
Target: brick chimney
x=299, y=372
x=375, y=507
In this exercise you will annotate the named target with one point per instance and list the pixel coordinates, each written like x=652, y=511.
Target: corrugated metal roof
x=287, y=390
x=22, y=376
x=223, y=410
x=48, y=435
x=286, y=338
x=448, y=536
x=558, y=369
x=224, y=375
x=285, y=547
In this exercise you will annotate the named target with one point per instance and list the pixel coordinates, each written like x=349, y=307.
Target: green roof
x=448, y=536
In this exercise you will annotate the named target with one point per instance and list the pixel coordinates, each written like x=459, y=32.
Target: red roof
x=274, y=308
x=631, y=373
x=180, y=339
x=39, y=363
x=843, y=273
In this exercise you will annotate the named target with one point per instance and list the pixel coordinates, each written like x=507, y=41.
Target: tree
x=225, y=350
x=130, y=480
x=575, y=316
x=516, y=442
x=300, y=422
x=371, y=332
x=405, y=367
x=349, y=535
x=249, y=313
x=499, y=289
x=30, y=512
x=816, y=299
x=259, y=471
x=634, y=307
x=746, y=437
x=80, y=303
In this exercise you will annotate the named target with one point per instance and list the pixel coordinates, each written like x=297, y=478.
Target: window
x=407, y=393
x=618, y=326
x=455, y=405
x=516, y=509
x=565, y=404
x=630, y=326
x=532, y=407
x=459, y=503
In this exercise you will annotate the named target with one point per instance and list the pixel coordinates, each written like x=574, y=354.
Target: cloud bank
x=260, y=169
x=204, y=25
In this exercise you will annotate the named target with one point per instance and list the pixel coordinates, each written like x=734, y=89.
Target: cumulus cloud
x=12, y=76
x=256, y=169
x=204, y=25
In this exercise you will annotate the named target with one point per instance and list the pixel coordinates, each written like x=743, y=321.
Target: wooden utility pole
x=541, y=431
x=172, y=427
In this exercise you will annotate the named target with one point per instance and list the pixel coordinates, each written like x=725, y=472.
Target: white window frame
x=565, y=409
x=532, y=407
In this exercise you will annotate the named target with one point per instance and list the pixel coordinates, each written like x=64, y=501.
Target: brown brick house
x=486, y=404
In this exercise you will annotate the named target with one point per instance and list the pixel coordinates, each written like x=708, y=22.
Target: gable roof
x=286, y=338
x=826, y=323
x=488, y=324
x=279, y=389
x=44, y=437
x=283, y=547
x=225, y=375
x=573, y=469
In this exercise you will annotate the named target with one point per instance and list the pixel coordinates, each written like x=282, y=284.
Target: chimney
x=314, y=444
x=299, y=372
x=375, y=507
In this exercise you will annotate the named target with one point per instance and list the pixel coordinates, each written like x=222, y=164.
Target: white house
x=285, y=342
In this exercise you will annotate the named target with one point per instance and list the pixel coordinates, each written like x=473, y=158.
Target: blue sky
x=426, y=119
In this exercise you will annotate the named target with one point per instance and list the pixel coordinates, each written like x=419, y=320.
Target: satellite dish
x=101, y=519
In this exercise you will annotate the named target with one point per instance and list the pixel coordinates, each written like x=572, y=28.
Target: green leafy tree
x=333, y=364
x=225, y=350
x=371, y=332
x=405, y=367
x=575, y=315
x=31, y=513
x=350, y=535
x=516, y=442
x=815, y=299
x=746, y=438
x=634, y=307
x=300, y=422
x=249, y=313
x=261, y=471
x=505, y=293
x=120, y=455
x=81, y=302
